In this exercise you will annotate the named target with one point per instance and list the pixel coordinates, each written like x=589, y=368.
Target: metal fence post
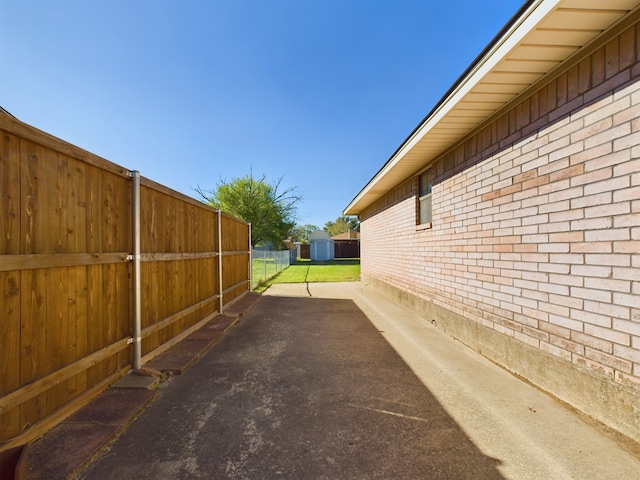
x=250, y=261
x=220, y=289
x=264, y=261
x=137, y=289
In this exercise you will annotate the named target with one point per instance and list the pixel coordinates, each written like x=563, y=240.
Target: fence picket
x=66, y=283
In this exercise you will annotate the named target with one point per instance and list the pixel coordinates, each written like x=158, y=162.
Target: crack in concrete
x=387, y=412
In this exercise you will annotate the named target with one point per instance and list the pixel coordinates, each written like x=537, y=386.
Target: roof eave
x=478, y=67
x=408, y=160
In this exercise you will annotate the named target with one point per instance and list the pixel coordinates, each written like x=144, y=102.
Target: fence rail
x=67, y=276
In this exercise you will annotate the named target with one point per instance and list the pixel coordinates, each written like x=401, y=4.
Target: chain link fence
x=266, y=264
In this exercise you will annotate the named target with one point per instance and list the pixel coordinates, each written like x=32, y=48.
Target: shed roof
x=318, y=235
x=541, y=36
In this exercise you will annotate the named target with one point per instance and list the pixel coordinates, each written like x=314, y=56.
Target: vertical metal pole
x=250, y=261
x=137, y=289
x=220, y=302
x=264, y=262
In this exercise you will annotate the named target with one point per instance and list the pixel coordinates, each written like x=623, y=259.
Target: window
x=424, y=208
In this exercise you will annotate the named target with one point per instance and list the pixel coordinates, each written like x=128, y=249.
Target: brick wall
x=536, y=220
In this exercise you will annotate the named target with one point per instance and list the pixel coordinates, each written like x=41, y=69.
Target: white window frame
x=424, y=218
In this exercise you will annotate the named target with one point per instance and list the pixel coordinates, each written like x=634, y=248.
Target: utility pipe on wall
x=137, y=290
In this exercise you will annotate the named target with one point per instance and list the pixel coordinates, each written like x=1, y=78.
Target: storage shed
x=321, y=246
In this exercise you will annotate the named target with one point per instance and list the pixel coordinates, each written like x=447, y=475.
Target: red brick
x=615, y=260
x=594, y=366
x=626, y=247
x=596, y=124
x=627, y=141
x=512, y=189
x=600, y=117
x=555, y=206
x=631, y=220
x=607, y=311
x=592, y=247
x=592, y=176
x=607, y=210
x=535, y=182
x=592, y=342
x=589, y=154
x=567, y=259
x=553, y=268
x=567, y=173
x=608, y=284
x=490, y=195
x=627, y=300
x=528, y=336
x=591, y=294
x=591, y=271
x=592, y=223
x=609, y=360
x=567, y=345
x=630, y=327
x=627, y=274
x=629, y=380
x=528, y=175
x=608, y=135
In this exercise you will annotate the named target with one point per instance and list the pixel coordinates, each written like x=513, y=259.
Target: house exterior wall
x=533, y=257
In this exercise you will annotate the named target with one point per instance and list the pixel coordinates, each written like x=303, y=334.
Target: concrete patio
x=335, y=381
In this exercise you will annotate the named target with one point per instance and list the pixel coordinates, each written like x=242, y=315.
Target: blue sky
x=194, y=92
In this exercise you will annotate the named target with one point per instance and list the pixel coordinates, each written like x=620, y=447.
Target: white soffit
x=544, y=36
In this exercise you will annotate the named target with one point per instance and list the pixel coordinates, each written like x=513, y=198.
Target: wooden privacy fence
x=69, y=268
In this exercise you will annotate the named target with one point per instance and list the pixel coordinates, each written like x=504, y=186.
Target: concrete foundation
x=612, y=404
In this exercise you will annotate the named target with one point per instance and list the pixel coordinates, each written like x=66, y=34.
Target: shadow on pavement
x=300, y=388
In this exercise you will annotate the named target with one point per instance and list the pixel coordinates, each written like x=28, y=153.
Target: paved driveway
x=309, y=385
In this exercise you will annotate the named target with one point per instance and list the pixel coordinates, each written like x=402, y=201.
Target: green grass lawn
x=347, y=270
x=265, y=268
x=341, y=270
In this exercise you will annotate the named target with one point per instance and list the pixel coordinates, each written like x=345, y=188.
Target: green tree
x=270, y=210
x=301, y=233
x=341, y=225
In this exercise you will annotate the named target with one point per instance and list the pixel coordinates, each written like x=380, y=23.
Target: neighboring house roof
x=350, y=235
x=541, y=36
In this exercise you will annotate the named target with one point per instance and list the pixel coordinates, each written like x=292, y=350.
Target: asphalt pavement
x=334, y=381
